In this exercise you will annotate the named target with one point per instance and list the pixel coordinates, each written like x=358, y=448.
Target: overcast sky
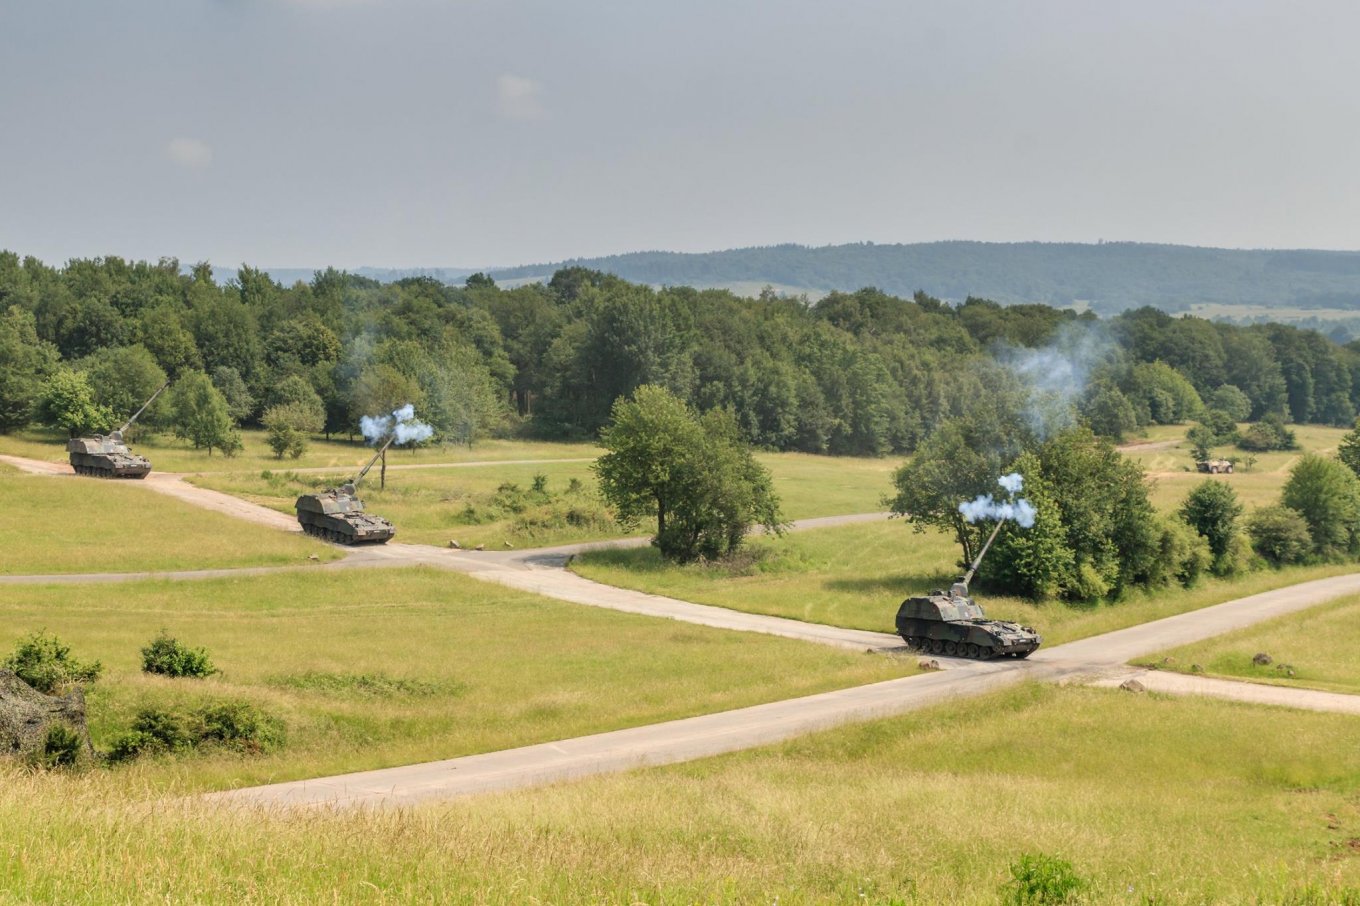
x=421, y=133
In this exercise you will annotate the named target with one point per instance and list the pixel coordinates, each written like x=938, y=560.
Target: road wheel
x=972, y=650
x=950, y=648
x=985, y=653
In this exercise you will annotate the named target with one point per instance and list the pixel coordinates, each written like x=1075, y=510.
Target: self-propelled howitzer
x=106, y=456
x=338, y=514
x=954, y=623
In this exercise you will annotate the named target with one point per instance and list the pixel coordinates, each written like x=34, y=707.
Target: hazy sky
x=414, y=132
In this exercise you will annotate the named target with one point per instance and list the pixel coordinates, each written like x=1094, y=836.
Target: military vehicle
x=338, y=515
x=106, y=456
x=954, y=623
x=1215, y=466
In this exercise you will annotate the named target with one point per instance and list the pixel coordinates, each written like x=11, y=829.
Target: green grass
x=857, y=575
x=1152, y=799
x=169, y=454
x=70, y=525
x=378, y=667
x=1172, y=469
x=1319, y=645
x=436, y=505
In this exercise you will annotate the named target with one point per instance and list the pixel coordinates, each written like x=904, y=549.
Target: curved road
x=1101, y=659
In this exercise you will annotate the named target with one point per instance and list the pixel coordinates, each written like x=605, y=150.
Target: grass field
x=1320, y=646
x=169, y=454
x=379, y=667
x=1152, y=800
x=856, y=576
x=69, y=525
x=1172, y=469
x=436, y=505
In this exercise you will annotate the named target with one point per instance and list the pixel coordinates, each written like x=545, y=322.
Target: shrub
x=154, y=731
x=1279, y=535
x=1327, y=494
x=167, y=657
x=63, y=747
x=46, y=664
x=236, y=725
x=1268, y=434
x=1039, y=879
x=1212, y=509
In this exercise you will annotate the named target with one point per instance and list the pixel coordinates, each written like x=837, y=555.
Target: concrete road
x=1238, y=690
x=1094, y=659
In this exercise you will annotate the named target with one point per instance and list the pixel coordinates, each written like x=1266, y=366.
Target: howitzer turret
x=106, y=455
x=338, y=515
x=954, y=623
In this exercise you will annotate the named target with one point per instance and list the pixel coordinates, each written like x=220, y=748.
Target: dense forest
x=1109, y=277
x=863, y=373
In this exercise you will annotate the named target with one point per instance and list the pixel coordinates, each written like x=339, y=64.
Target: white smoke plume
x=401, y=424
x=1057, y=375
x=1020, y=511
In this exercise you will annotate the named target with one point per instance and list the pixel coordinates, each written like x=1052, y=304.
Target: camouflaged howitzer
x=953, y=623
x=338, y=515
x=106, y=456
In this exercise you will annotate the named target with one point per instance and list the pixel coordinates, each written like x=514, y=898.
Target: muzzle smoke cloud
x=401, y=424
x=1019, y=511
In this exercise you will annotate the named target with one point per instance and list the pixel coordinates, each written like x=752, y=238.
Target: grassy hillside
x=1109, y=276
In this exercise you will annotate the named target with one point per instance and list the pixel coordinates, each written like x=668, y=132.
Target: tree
x=68, y=403
x=1036, y=562
x=1110, y=413
x=1348, y=450
x=1327, y=494
x=1280, y=535
x=1269, y=433
x=1231, y=400
x=26, y=362
x=288, y=424
x=240, y=404
x=1201, y=439
x=123, y=379
x=198, y=413
x=693, y=474
x=1212, y=509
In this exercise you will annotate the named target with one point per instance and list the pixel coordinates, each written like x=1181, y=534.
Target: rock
x=480, y=547
x=27, y=715
x=1286, y=669
x=508, y=544
x=455, y=545
x=1132, y=685
x=314, y=558
x=1261, y=659
x=928, y=663
x=1168, y=661
x=1196, y=668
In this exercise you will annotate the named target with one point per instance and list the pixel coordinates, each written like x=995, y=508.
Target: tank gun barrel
x=364, y=471
x=968, y=576
x=128, y=424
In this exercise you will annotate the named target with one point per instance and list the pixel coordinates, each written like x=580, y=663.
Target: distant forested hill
x=1110, y=276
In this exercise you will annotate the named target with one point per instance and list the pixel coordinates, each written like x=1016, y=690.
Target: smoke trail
x=1057, y=376
x=401, y=424
x=1021, y=511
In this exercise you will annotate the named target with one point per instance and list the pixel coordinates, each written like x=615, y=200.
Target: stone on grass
x=1261, y=659
x=1196, y=668
x=928, y=663
x=1132, y=685
x=455, y=545
x=27, y=716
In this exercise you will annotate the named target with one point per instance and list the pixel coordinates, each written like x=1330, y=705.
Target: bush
x=1040, y=879
x=167, y=657
x=237, y=725
x=1268, y=434
x=46, y=664
x=63, y=747
x=1327, y=495
x=1212, y=509
x=288, y=425
x=234, y=725
x=154, y=731
x=1279, y=535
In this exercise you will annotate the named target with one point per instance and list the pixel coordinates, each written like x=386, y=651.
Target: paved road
x=1237, y=690
x=1095, y=659
x=1091, y=659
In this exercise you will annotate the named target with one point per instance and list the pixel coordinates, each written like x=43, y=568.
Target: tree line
x=862, y=373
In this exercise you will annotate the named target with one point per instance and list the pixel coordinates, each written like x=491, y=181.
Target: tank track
x=95, y=472
x=950, y=648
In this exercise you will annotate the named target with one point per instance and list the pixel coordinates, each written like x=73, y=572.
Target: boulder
x=1261, y=659
x=27, y=715
x=928, y=663
x=1132, y=685
x=454, y=545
